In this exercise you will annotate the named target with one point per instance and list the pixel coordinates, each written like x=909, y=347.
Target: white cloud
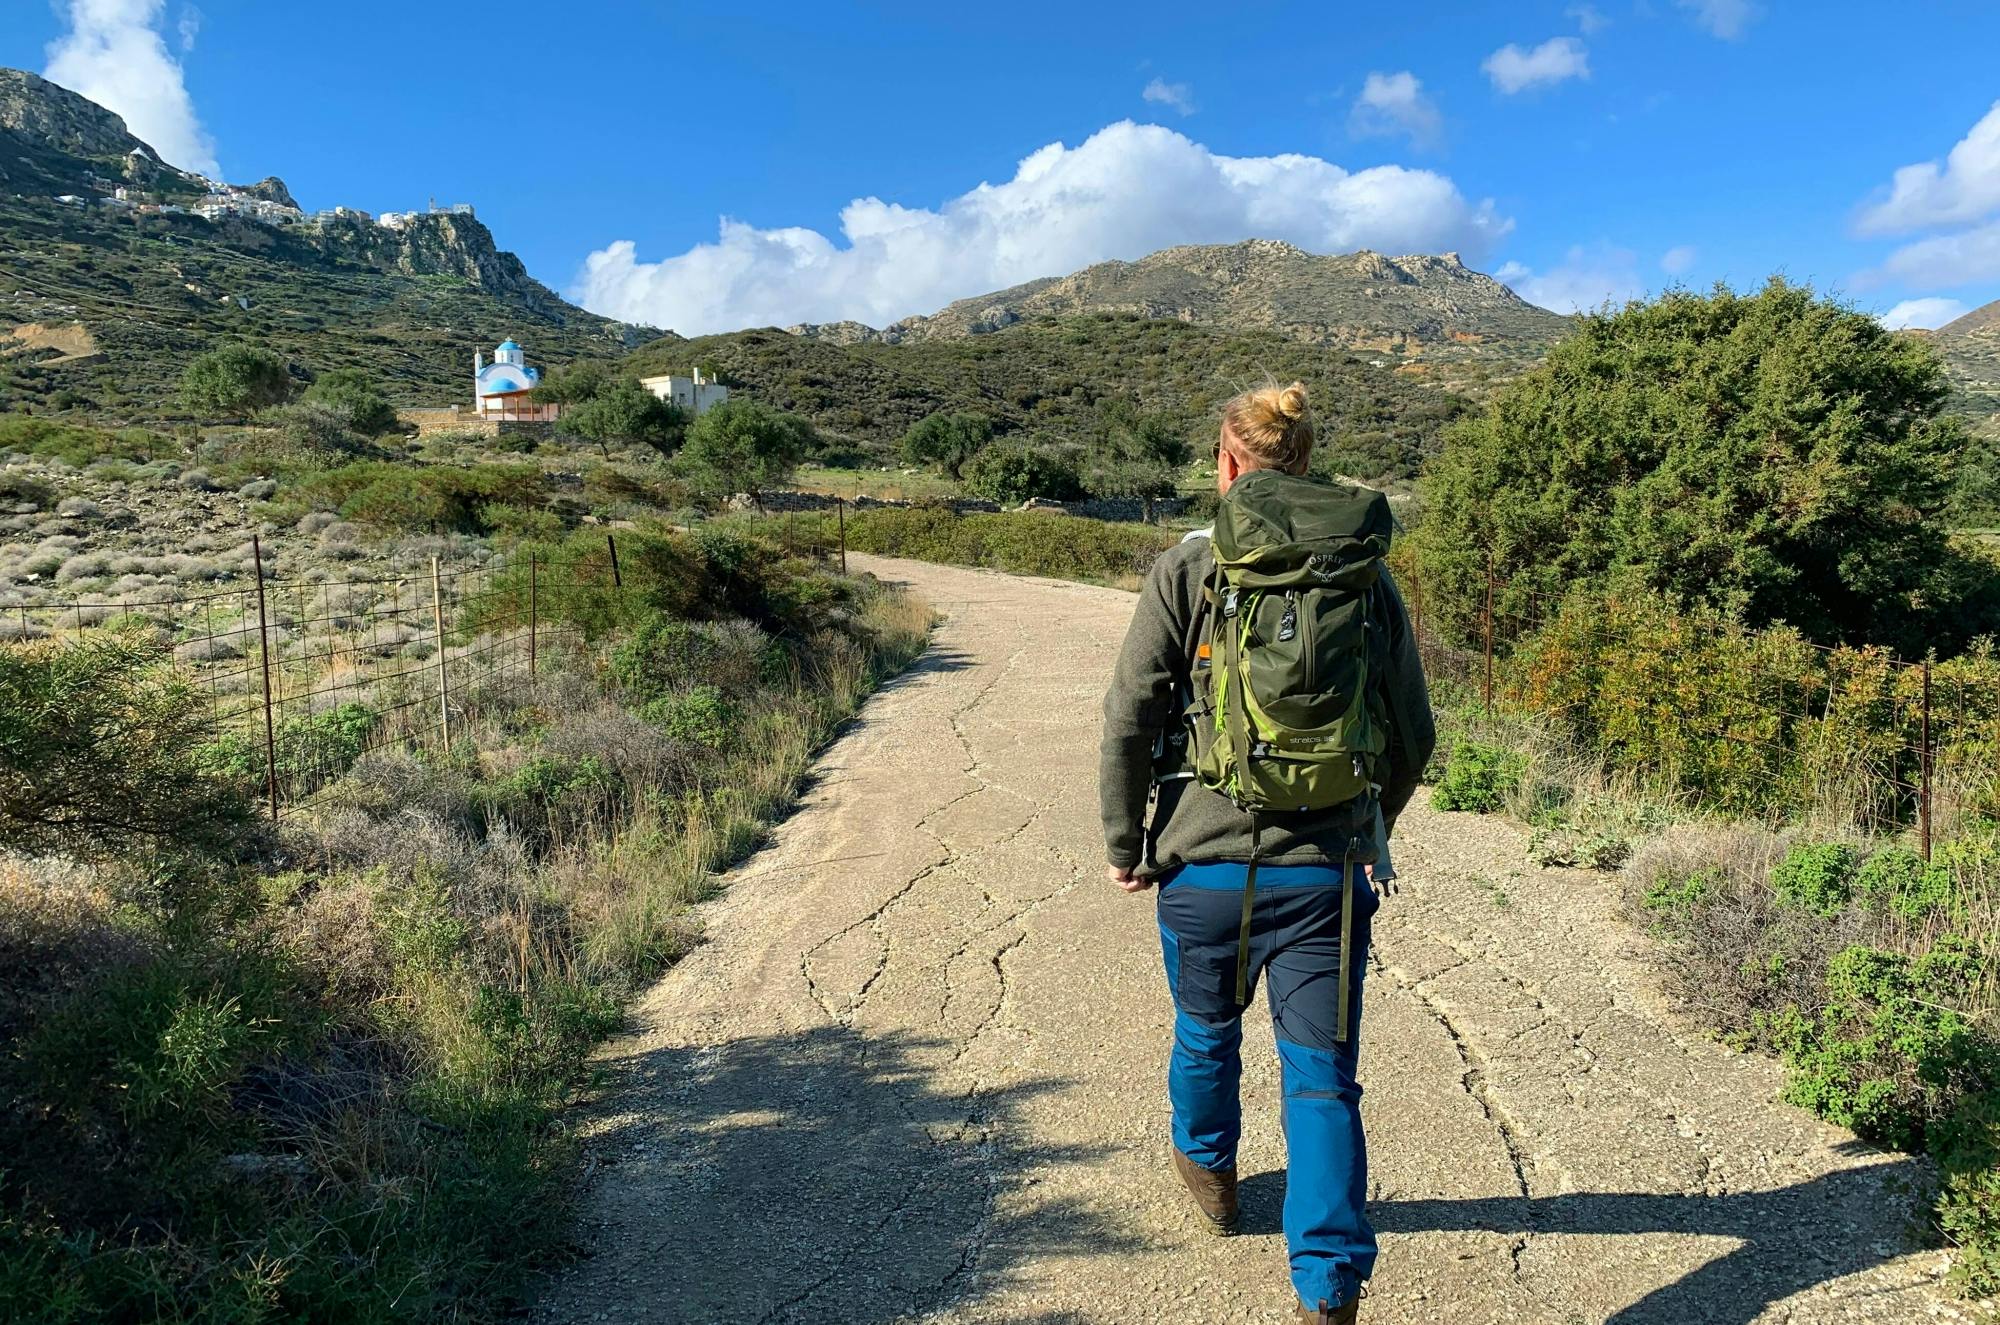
x=1393, y=104
x=1678, y=260
x=1931, y=312
x=114, y=54
x=1126, y=191
x=1943, y=262
x=1588, y=20
x=1514, y=70
x=189, y=27
x=1178, y=96
x=1727, y=19
x=1964, y=187
x=1585, y=280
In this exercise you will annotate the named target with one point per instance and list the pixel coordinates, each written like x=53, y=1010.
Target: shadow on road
x=825, y=1175
x=1792, y=1238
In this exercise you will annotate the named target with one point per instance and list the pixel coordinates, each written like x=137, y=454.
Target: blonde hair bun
x=1269, y=427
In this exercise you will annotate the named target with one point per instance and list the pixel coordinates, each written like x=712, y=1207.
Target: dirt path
x=917, y=1074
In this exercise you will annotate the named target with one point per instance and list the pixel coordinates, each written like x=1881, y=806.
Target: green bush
x=1674, y=896
x=1478, y=777
x=353, y=393
x=947, y=441
x=547, y=791
x=1966, y=1146
x=1818, y=876
x=312, y=749
x=100, y=750
x=1778, y=454
x=235, y=381
x=701, y=716
x=429, y=498
x=1890, y=1055
x=1897, y=879
x=1025, y=543
x=1011, y=472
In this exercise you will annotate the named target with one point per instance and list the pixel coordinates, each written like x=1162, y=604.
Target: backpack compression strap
x=1249, y=898
x=1341, y=1032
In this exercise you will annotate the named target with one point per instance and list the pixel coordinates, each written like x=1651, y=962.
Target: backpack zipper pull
x=1288, y=625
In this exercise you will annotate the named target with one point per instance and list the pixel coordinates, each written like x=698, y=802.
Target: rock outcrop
x=1419, y=304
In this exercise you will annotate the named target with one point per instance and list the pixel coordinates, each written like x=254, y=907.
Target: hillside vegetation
x=154, y=291
x=316, y=1070
x=1052, y=378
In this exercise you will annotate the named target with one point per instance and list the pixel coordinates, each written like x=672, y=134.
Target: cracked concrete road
x=916, y=1074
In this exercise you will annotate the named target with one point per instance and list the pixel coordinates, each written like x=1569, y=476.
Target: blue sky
x=1582, y=151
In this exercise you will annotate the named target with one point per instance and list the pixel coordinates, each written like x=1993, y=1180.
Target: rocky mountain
x=147, y=288
x=53, y=141
x=1426, y=313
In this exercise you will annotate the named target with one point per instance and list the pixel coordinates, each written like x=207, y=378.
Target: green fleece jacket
x=1191, y=824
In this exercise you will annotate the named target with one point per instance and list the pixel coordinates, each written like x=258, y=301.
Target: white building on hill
x=502, y=387
x=692, y=394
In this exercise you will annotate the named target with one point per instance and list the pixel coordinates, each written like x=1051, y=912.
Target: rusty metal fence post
x=534, y=608
x=444, y=678
x=1924, y=767
x=1486, y=629
x=611, y=542
x=840, y=507
x=264, y=659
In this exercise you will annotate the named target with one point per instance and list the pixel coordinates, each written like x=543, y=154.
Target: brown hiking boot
x=1214, y=1192
x=1326, y=1315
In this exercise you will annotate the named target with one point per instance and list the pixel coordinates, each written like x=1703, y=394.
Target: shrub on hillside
x=1777, y=454
x=1756, y=721
x=235, y=381
x=1011, y=472
x=1478, y=777
x=99, y=750
x=423, y=499
x=947, y=441
x=1025, y=543
x=354, y=396
x=1889, y=1053
x=1818, y=876
x=742, y=446
x=75, y=444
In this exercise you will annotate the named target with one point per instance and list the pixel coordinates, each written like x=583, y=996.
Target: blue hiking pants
x=1295, y=948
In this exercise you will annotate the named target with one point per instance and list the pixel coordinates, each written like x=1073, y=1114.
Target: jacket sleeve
x=1139, y=705
x=1412, y=731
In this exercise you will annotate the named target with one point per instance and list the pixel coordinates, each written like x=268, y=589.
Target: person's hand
x=1127, y=879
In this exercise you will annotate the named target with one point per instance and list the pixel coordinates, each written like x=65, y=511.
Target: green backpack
x=1291, y=717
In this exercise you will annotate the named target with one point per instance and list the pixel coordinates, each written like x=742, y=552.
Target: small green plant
x=1478, y=777
x=1890, y=1054
x=701, y=716
x=1676, y=895
x=1898, y=880
x=1818, y=876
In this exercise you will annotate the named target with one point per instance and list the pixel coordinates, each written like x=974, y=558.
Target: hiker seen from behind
x=1270, y=708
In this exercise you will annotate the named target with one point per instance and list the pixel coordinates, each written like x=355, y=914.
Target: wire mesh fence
x=303, y=676
x=1758, y=722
